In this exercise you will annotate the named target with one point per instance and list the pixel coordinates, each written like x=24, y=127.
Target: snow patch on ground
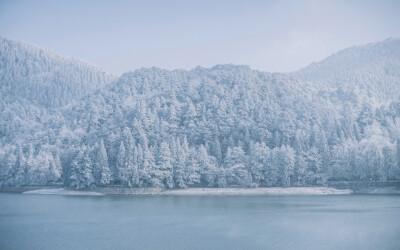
x=258, y=191
x=62, y=191
x=218, y=191
x=206, y=191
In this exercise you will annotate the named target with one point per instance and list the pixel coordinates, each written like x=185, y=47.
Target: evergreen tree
x=149, y=169
x=286, y=160
x=105, y=177
x=8, y=171
x=271, y=172
x=208, y=167
x=57, y=167
x=54, y=168
x=314, y=160
x=122, y=172
x=192, y=173
x=20, y=168
x=300, y=169
x=389, y=162
x=258, y=161
x=165, y=166
x=235, y=165
x=81, y=172
x=179, y=168
x=216, y=150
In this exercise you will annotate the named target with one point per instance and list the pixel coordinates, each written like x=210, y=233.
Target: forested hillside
x=224, y=126
x=44, y=78
x=35, y=83
x=368, y=73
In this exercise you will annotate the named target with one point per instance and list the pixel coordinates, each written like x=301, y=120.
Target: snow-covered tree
x=81, y=172
x=192, y=172
x=165, y=169
x=235, y=165
x=102, y=165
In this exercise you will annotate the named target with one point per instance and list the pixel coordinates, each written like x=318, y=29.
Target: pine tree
x=259, y=153
x=88, y=179
x=121, y=164
x=165, y=166
x=190, y=115
x=55, y=168
x=149, y=168
x=8, y=171
x=30, y=164
x=20, y=168
x=105, y=172
x=235, y=165
x=388, y=164
x=130, y=175
x=135, y=167
x=81, y=172
x=208, y=167
x=300, y=169
x=58, y=167
x=76, y=178
x=221, y=178
x=287, y=165
x=216, y=150
x=192, y=173
x=314, y=160
x=144, y=176
x=271, y=172
x=179, y=168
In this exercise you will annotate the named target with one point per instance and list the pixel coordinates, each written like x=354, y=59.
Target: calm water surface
x=199, y=222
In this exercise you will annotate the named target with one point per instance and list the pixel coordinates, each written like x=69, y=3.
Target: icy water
x=193, y=222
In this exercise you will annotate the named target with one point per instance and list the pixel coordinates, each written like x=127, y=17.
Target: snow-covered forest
x=65, y=122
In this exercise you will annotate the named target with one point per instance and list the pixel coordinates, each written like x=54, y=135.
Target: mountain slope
x=44, y=78
x=372, y=70
x=224, y=126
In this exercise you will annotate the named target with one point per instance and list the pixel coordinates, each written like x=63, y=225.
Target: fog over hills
x=372, y=70
x=382, y=57
x=63, y=121
x=43, y=77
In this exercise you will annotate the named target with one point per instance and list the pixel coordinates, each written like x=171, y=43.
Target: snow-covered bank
x=128, y=191
x=218, y=191
x=62, y=191
x=198, y=191
x=258, y=191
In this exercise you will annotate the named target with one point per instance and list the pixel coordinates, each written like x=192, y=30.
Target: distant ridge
x=43, y=77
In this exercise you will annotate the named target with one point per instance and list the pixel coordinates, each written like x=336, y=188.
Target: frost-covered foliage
x=224, y=126
x=368, y=73
x=44, y=78
x=34, y=82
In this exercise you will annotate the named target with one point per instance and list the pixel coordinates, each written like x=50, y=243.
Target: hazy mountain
x=223, y=126
x=43, y=77
x=372, y=70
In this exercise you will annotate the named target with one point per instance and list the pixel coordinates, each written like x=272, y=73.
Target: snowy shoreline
x=198, y=191
x=265, y=191
x=258, y=191
x=62, y=191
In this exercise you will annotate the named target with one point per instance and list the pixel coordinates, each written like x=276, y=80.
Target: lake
x=199, y=222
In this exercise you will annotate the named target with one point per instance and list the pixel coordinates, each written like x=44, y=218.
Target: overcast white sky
x=267, y=35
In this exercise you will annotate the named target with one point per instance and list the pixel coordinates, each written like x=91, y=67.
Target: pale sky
x=120, y=36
